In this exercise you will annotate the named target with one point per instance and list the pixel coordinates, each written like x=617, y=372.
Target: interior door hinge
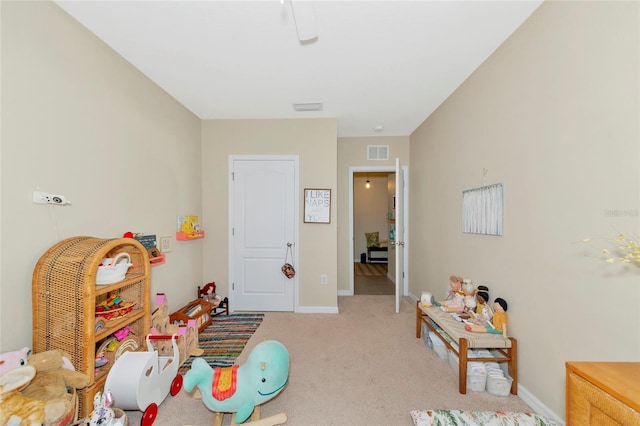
x=233, y=175
x=233, y=286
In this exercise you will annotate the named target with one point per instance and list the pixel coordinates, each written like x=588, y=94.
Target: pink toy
x=122, y=333
x=15, y=359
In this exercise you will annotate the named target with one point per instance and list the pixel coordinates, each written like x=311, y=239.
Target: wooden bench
x=506, y=347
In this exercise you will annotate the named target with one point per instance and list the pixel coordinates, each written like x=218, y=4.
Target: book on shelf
x=148, y=241
x=189, y=224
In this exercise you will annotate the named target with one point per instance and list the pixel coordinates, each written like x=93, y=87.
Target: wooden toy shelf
x=184, y=236
x=158, y=260
x=65, y=296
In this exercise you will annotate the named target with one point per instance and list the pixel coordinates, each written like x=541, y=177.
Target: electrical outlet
x=323, y=279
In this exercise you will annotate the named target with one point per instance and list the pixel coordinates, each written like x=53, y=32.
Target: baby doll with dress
x=455, y=298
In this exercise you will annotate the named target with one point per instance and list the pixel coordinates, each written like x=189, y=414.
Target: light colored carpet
x=363, y=366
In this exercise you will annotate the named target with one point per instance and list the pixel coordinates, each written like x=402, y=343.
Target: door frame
x=296, y=217
x=389, y=169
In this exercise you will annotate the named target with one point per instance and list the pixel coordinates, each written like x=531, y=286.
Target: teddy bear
x=19, y=410
x=54, y=376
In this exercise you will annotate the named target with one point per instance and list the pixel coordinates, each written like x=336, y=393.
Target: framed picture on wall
x=482, y=210
x=317, y=205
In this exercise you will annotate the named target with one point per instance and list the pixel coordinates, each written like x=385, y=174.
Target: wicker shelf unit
x=65, y=296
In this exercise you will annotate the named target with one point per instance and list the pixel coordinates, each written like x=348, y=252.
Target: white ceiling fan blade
x=305, y=19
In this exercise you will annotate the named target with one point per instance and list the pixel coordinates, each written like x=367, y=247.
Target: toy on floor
x=240, y=389
x=43, y=398
x=188, y=343
x=13, y=359
x=54, y=377
x=142, y=380
x=102, y=415
x=14, y=407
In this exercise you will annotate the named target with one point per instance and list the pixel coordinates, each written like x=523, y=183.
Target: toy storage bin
x=476, y=372
x=425, y=336
x=499, y=385
x=438, y=345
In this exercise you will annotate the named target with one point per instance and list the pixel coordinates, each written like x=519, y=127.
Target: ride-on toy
x=142, y=380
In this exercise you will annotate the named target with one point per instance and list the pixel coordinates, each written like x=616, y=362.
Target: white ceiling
x=374, y=63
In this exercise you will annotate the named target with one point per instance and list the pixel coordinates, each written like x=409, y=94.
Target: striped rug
x=223, y=340
x=370, y=269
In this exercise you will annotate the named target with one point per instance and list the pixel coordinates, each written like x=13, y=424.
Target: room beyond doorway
x=371, y=279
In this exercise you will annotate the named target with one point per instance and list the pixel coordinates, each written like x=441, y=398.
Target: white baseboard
x=537, y=406
x=345, y=293
x=317, y=310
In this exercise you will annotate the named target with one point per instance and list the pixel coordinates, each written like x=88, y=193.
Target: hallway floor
x=372, y=285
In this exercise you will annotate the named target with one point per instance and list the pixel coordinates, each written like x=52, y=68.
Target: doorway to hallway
x=392, y=232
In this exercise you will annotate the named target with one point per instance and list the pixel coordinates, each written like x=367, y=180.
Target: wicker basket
x=119, y=413
x=71, y=417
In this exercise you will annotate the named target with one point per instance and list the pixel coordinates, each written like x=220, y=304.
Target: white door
x=399, y=242
x=263, y=222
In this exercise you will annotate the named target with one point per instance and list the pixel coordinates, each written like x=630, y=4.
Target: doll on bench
x=499, y=323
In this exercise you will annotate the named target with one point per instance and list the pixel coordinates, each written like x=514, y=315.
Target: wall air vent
x=377, y=152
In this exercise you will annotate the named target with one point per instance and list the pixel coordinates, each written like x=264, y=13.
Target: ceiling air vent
x=310, y=106
x=377, y=152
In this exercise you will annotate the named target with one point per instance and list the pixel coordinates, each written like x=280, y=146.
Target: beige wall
x=352, y=152
x=314, y=141
x=554, y=115
x=79, y=120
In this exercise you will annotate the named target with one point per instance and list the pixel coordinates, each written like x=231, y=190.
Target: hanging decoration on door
x=287, y=268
